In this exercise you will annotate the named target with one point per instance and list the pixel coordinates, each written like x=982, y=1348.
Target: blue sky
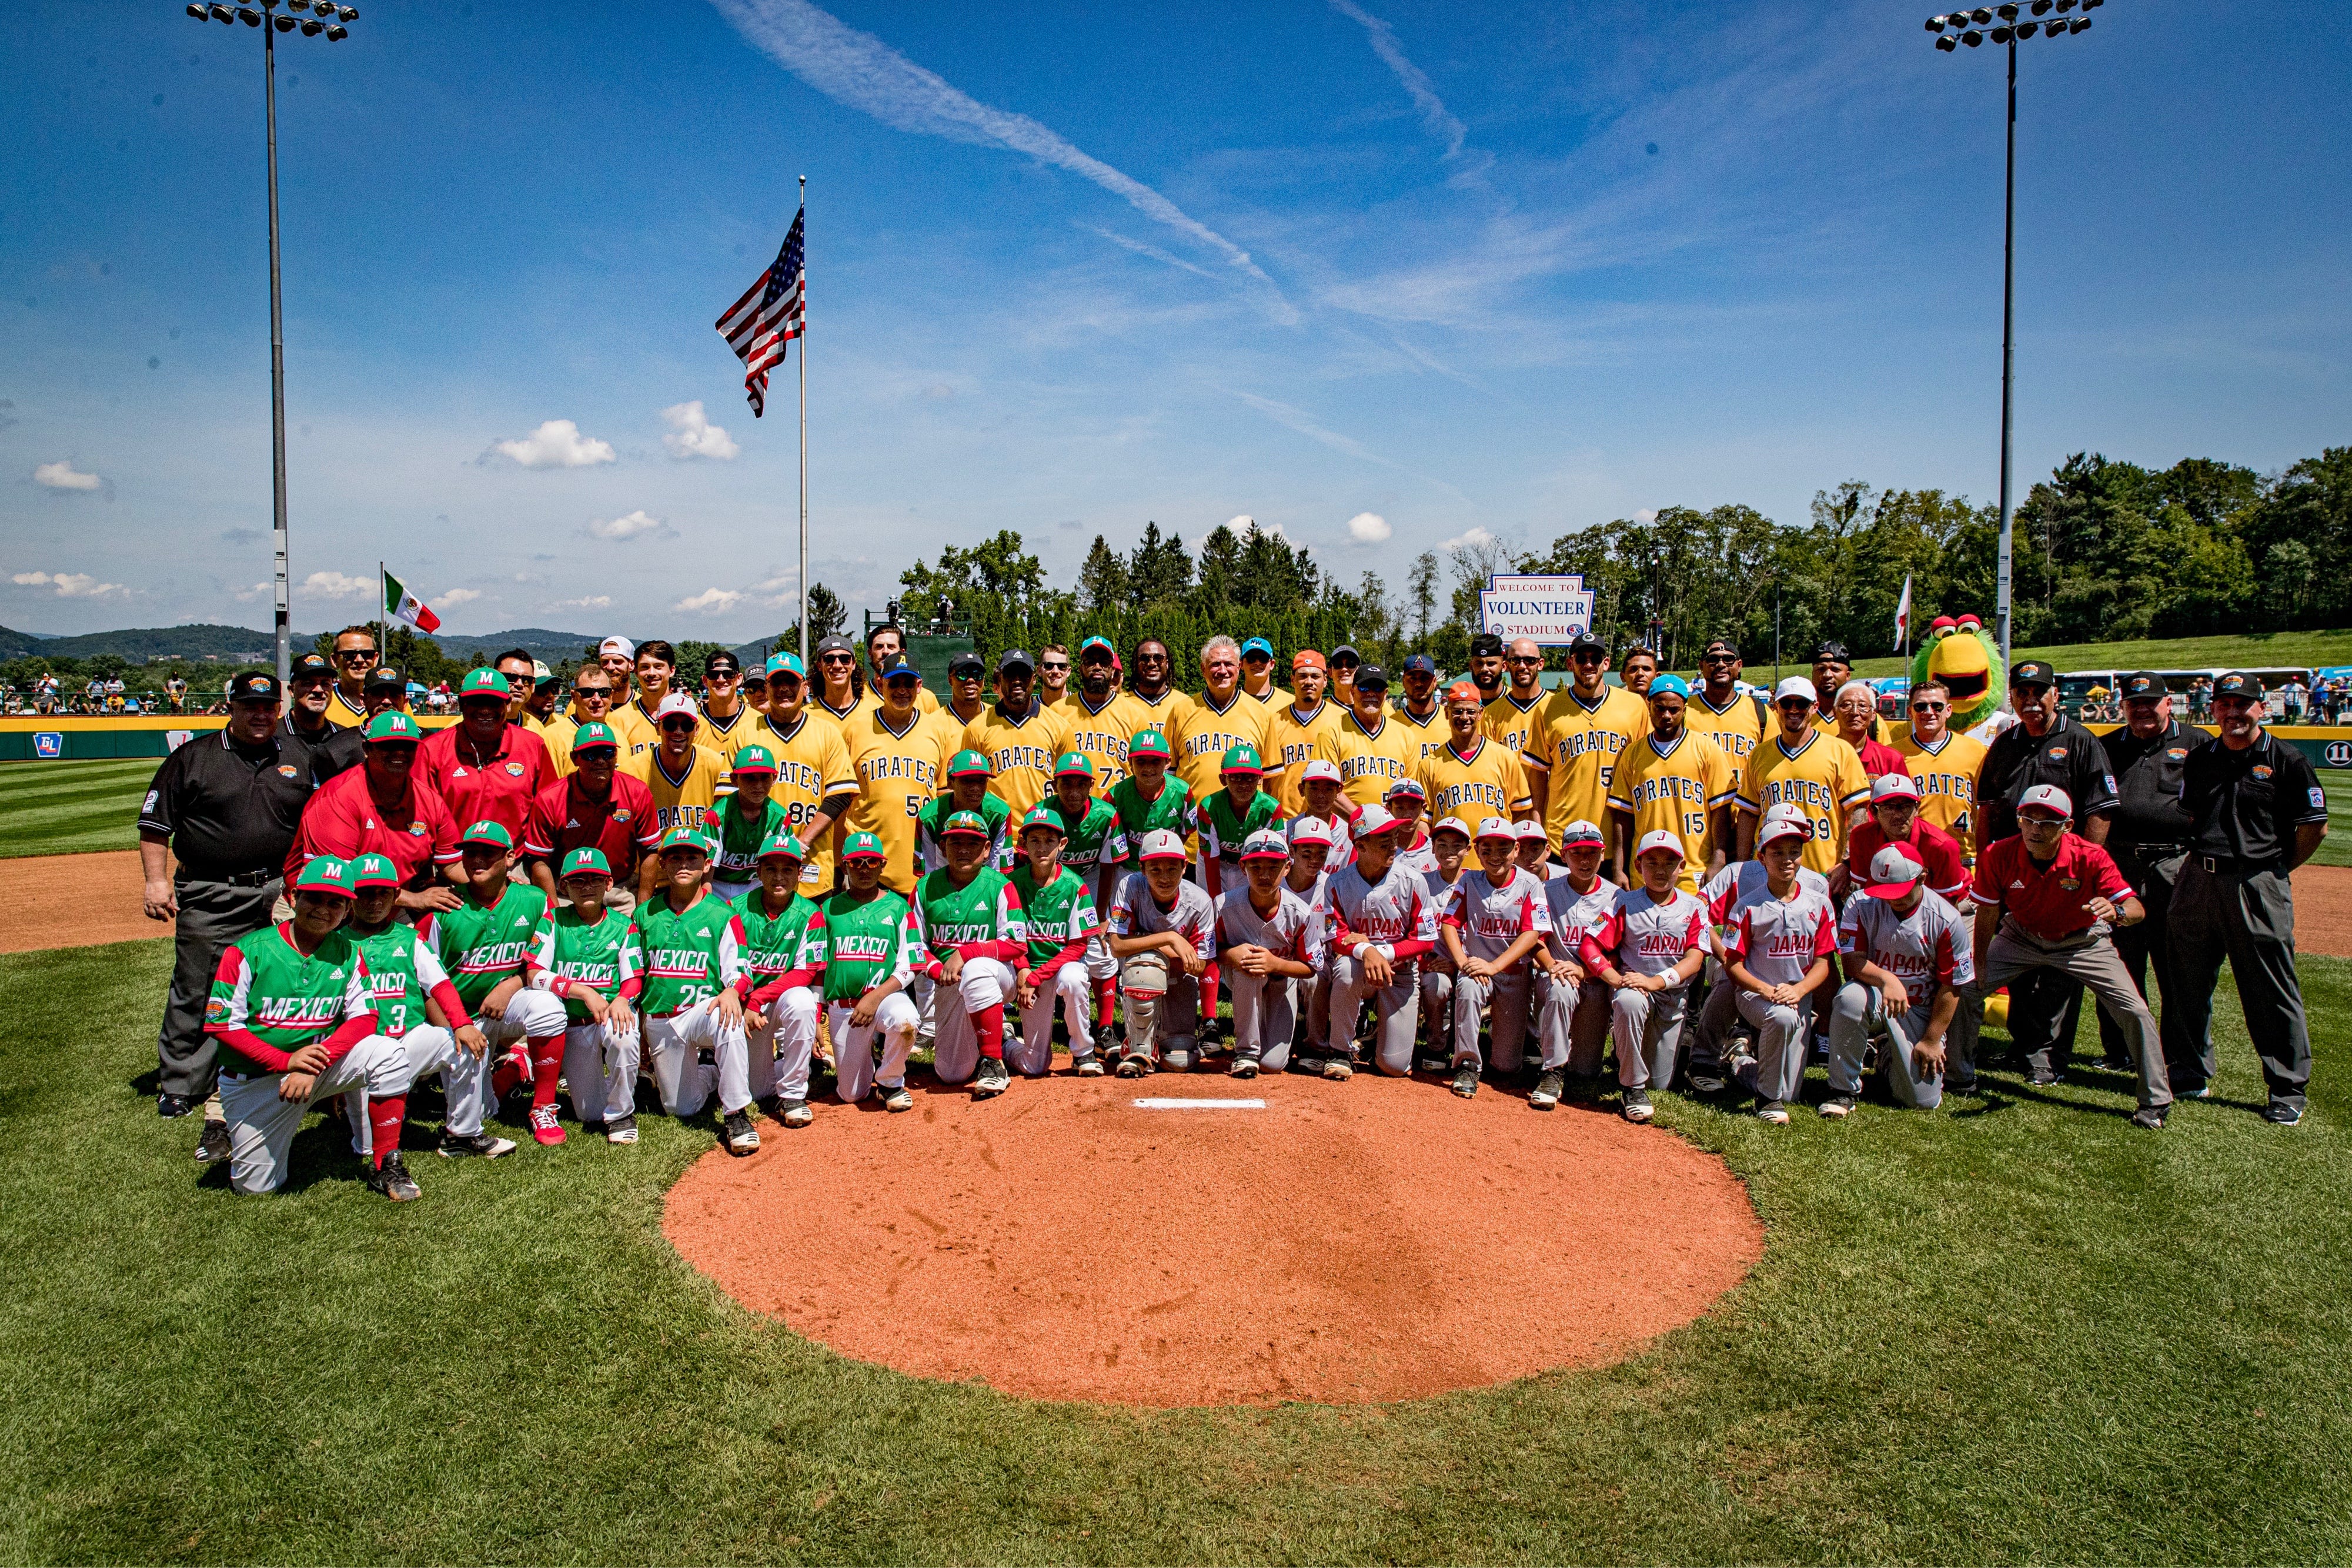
x=1459, y=268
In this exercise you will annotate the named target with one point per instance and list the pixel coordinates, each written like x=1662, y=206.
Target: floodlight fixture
x=2006, y=13
x=338, y=33
x=1935, y=24
x=1972, y=38
x=2027, y=30
x=1947, y=43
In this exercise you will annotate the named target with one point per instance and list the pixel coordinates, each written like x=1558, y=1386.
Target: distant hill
x=227, y=643
x=15, y=645
x=542, y=643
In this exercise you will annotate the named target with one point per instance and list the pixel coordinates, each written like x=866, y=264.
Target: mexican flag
x=402, y=605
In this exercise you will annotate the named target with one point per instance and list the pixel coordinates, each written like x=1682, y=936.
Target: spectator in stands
x=2293, y=698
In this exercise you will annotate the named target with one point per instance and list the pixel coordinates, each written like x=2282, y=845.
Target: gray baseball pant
x=1783, y=1040
x=1396, y=1012
x=2013, y=952
x=1508, y=994
x=1858, y=1013
x=1266, y=1016
x=1648, y=1028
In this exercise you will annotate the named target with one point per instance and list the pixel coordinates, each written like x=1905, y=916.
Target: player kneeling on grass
x=694, y=963
x=1572, y=1011
x=1646, y=951
x=1163, y=932
x=1381, y=923
x=586, y=953
x=869, y=957
x=978, y=947
x=1775, y=944
x=483, y=942
x=783, y=943
x=1064, y=923
x=1496, y=917
x=1907, y=957
x=1263, y=930
x=409, y=990
x=291, y=1016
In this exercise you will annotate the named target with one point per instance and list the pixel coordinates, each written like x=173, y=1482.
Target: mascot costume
x=1960, y=654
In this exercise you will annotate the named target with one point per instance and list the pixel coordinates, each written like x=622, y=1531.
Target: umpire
x=2257, y=812
x=2148, y=842
x=226, y=805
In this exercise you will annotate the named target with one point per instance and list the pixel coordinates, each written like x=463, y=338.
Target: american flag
x=772, y=312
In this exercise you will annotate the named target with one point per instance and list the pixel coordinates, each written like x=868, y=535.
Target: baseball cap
x=1149, y=743
x=677, y=703
x=2144, y=685
x=967, y=824
x=593, y=734
x=895, y=666
x=1420, y=665
x=1307, y=658
x=1259, y=646
x=2238, y=684
x=1893, y=874
x=1044, y=816
x=1781, y=821
x=1720, y=645
x=1464, y=692
x=255, y=686
x=2032, y=673
x=1586, y=642
x=1346, y=652
x=967, y=664
x=325, y=873
x=1098, y=646
x=384, y=678
x=1496, y=828
x=1658, y=839
x=966, y=763
x=722, y=662
x=1371, y=678
x=1372, y=819
x=1669, y=684
x=782, y=844
x=835, y=644
x=1242, y=759
x=1412, y=786
x=684, y=839
x=374, y=871
x=754, y=759
x=1455, y=825
x=587, y=858
x=540, y=674
x=1014, y=659
x=1894, y=787
x=392, y=725
x=1532, y=828
x=863, y=847
x=621, y=646
x=1159, y=844
x=312, y=667
x=1310, y=830
x=1265, y=844
x=484, y=682
x=1833, y=651
x=2047, y=798
x=787, y=664
x=1581, y=831
x=1321, y=768
x=1074, y=763
x=486, y=832
x=1795, y=686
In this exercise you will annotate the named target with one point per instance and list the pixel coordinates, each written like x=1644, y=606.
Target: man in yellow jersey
x=1677, y=781
x=1153, y=694
x=833, y=680
x=355, y=659
x=1720, y=711
x=1221, y=719
x=1472, y=776
x=592, y=702
x=1510, y=719
x=1487, y=665
x=901, y=756
x=653, y=665
x=1637, y=669
x=1304, y=730
x=1944, y=763
x=965, y=706
x=1342, y=686
x=885, y=645
x=1800, y=767
x=1021, y=738
x=727, y=720
x=1257, y=674
x=1573, y=753
x=1419, y=711
x=1832, y=667
x=1374, y=750
x=1098, y=719
x=685, y=779
x=815, y=783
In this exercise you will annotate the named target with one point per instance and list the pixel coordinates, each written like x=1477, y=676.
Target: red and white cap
x=1265, y=844
x=1495, y=828
x=1159, y=844
x=1310, y=830
x=1372, y=819
x=677, y=702
x=1784, y=821
x=1321, y=768
x=1582, y=831
x=2048, y=798
x=1659, y=839
x=1893, y=874
x=1530, y=829
x=1894, y=787
x=1412, y=786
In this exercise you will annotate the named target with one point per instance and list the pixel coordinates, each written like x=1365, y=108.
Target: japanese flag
x=403, y=605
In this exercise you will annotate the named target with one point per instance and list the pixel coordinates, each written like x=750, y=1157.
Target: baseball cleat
x=1465, y=1081
x=1705, y=1083
x=1244, y=1066
x=473, y=1146
x=1133, y=1067
x=1176, y=1061
x=391, y=1179
x=1338, y=1069
x=897, y=1098
x=796, y=1113
x=1546, y=1091
x=2283, y=1115
x=2044, y=1077
x=544, y=1126
x=2202, y=1092
x=621, y=1130
x=170, y=1107
x=1637, y=1105
x=1774, y=1112
x=213, y=1147
x=992, y=1079
x=1838, y=1107
x=738, y=1134
x=2150, y=1117
x=1088, y=1067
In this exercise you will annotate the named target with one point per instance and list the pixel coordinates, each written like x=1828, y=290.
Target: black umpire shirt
x=2069, y=757
x=229, y=809
x=332, y=747
x=2147, y=786
x=2246, y=805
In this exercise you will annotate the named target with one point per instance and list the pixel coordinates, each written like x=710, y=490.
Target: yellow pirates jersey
x=1100, y=733
x=1209, y=732
x=1510, y=724
x=1490, y=782
x=898, y=771
x=1166, y=713
x=1431, y=733
x=812, y=763
x=1736, y=730
x=1273, y=697
x=727, y=735
x=1823, y=777
x=1293, y=741
x=1576, y=750
x=341, y=713
x=683, y=800
x=1947, y=782
x=1020, y=754
x=636, y=731
x=1372, y=759
x=1677, y=788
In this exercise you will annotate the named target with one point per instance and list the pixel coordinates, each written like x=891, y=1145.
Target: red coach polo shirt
x=1937, y=852
x=499, y=787
x=343, y=819
x=2048, y=901
x=564, y=817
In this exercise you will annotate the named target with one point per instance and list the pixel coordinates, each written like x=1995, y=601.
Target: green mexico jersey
x=689, y=956
x=740, y=838
x=402, y=972
x=1060, y=913
x=929, y=820
x=265, y=987
x=1137, y=816
x=600, y=956
x=984, y=909
x=481, y=946
x=866, y=943
x=781, y=944
x=1093, y=841
x=1224, y=831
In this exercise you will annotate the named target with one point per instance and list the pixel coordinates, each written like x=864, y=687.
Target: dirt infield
x=73, y=900
x=1373, y=1240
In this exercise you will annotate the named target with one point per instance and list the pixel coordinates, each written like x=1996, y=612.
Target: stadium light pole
x=2007, y=24
x=312, y=17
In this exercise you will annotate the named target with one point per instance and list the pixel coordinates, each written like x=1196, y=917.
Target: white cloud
x=1416, y=84
x=593, y=602
x=635, y=526
x=1368, y=528
x=63, y=476
x=258, y=591
x=712, y=600
x=68, y=584
x=335, y=585
x=458, y=596
x=1470, y=539
x=693, y=435
x=557, y=444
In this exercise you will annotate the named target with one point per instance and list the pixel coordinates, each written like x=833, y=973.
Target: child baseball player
x=1094, y=848
x=1776, y=943
x=742, y=823
x=693, y=944
x=1263, y=932
x=1381, y=922
x=968, y=792
x=1719, y=1019
x=1907, y=958
x=867, y=947
x=1310, y=851
x=1325, y=798
x=1572, y=1012
x=1408, y=801
x=1646, y=951
x=1163, y=932
x=978, y=943
x=586, y=953
x=1064, y=925
x=1496, y=917
x=481, y=943
x=782, y=934
x=1449, y=849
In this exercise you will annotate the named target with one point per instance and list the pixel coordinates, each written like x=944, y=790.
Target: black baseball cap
x=1485, y=645
x=2238, y=684
x=312, y=667
x=1586, y=642
x=252, y=686
x=1722, y=645
x=2032, y=673
x=2144, y=685
x=1834, y=652
x=1420, y=665
x=968, y=664
x=722, y=662
x=835, y=644
x=1014, y=659
x=897, y=666
x=385, y=675
x=1371, y=678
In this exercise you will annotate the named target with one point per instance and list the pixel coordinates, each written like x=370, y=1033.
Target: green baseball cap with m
x=1074, y=764
x=863, y=847
x=325, y=873
x=484, y=682
x=488, y=835
x=1243, y=759
x=1045, y=817
x=587, y=861
x=392, y=725
x=755, y=759
x=1149, y=743
x=593, y=735
x=964, y=764
x=969, y=824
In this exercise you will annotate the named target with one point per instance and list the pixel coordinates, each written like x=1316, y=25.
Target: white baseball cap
x=1530, y=829
x=1495, y=828
x=1783, y=822
x=677, y=702
x=1795, y=686
x=1265, y=844
x=1894, y=787
x=1582, y=831
x=1310, y=830
x=1372, y=819
x=1321, y=768
x=1449, y=825
x=1159, y=844
x=621, y=646
x=1893, y=874
x=1659, y=839
x=1412, y=786
x=2048, y=797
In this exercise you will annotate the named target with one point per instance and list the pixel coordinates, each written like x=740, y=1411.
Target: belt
x=2233, y=863
x=2154, y=852
x=239, y=879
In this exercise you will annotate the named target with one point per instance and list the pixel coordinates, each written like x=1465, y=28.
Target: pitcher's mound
x=1377, y=1239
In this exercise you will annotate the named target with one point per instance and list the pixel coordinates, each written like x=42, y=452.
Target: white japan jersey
x=1284, y=933
x=1422, y=857
x=1135, y=913
x=1318, y=899
x=1646, y=935
x=1573, y=913
x=1343, y=841
x=1748, y=879
x=1779, y=939
x=1932, y=946
x=1491, y=918
x=1395, y=910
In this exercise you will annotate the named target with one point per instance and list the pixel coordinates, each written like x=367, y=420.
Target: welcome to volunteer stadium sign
x=1547, y=611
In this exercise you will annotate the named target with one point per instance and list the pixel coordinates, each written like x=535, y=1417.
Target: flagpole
x=804, y=626
x=383, y=625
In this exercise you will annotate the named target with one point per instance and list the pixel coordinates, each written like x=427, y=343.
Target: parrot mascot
x=1959, y=654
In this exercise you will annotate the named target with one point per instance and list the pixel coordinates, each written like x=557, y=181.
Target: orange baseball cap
x=1464, y=692
x=1307, y=658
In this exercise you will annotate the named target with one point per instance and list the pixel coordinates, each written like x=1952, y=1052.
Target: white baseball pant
x=1783, y=1041
x=955, y=1046
x=783, y=1048
x=1572, y=1020
x=261, y=1126
x=1508, y=995
x=600, y=1066
x=895, y=1020
x=465, y=1077
x=1396, y=1012
x=1648, y=1029
x=673, y=1043
x=1071, y=986
x=1164, y=1021
x=1266, y=1016
x=530, y=1014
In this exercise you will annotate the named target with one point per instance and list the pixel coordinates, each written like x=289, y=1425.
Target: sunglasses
x=356, y=656
x=592, y=694
x=835, y=659
x=2041, y=824
x=1526, y=658
x=677, y=726
x=1718, y=658
x=1055, y=669
x=1930, y=708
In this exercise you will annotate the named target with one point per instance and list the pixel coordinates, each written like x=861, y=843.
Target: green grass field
x=2302, y=649
x=71, y=808
x=2019, y=1330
